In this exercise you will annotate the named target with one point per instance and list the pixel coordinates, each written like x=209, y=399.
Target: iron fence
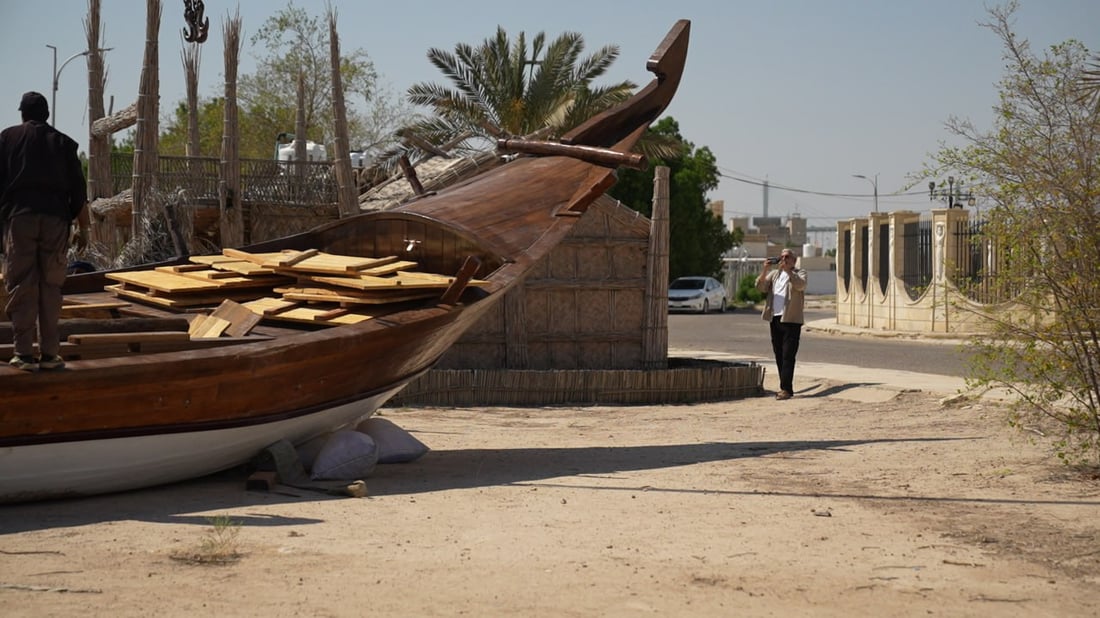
x=978, y=258
x=917, y=256
x=307, y=183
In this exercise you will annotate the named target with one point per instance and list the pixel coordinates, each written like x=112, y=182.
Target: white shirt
x=779, y=293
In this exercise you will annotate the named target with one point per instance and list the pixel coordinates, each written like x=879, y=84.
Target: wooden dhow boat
x=149, y=397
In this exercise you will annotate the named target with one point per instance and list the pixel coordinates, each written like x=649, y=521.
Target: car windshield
x=686, y=284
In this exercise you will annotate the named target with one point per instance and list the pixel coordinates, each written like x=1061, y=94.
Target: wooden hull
x=94, y=466
x=134, y=419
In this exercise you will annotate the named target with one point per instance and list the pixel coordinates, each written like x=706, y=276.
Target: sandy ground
x=845, y=501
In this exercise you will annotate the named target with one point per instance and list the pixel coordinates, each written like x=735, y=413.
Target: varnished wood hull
x=105, y=424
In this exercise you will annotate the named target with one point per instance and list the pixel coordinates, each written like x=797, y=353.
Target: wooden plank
x=163, y=282
x=242, y=267
x=181, y=268
x=268, y=307
x=241, y=319
x=92, y=310
x=228, y=279
x=309, y=315
x=211, y=260
x=182, y=302
x=255, y=258
x=387, y=269
x=107, y=338
x=320, y=294
x=201, y=272
x=292, y=259
x=331, y=314
x=210, y=326
x=197, y=324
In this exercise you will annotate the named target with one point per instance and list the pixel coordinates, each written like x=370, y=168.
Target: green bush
x=747, y=292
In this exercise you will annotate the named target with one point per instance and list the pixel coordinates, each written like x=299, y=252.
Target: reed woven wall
x=582, y=307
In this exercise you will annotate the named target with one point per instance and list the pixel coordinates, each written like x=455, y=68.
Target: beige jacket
x=796, y=295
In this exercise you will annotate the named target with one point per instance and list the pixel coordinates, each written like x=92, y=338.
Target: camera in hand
x=773, y=260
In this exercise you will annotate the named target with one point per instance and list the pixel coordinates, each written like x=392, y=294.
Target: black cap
x=33, y=105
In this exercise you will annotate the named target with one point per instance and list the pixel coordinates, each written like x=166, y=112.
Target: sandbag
x=346, y=455
x=395, y=445
x=308, y=450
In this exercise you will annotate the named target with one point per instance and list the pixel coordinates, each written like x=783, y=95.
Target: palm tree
x=503, y=89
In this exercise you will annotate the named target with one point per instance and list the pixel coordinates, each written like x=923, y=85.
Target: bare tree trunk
x=99, y=146
x=145, y=138
x=192, y=57
x=347, y=196
x=108, y=125
x=300, y=155
x=229, y=185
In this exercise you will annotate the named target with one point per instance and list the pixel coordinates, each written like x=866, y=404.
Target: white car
x=700, y=294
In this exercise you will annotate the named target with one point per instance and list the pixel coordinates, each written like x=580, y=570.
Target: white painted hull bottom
x=89, y=467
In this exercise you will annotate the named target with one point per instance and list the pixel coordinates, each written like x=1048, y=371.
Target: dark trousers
x=785, y=339
x=34, y=271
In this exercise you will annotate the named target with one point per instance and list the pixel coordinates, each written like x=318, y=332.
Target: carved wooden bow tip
x=198, y=27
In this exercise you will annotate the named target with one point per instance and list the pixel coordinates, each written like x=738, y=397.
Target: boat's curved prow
x=621, y=126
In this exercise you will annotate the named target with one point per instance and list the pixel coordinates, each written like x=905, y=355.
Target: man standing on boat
x=42, y=192
x=783, y=309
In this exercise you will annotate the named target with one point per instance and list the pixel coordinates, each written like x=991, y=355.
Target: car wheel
x=706, y=306
x=722, y=309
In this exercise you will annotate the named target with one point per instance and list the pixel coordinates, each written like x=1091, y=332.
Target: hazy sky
x=804, y=93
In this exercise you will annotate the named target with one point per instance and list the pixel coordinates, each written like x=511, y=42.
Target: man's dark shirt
x=39, y=172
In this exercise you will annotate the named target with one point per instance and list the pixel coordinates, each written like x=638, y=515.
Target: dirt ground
x=883, y=504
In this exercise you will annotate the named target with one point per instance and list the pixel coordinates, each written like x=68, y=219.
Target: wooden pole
x=229, y=185
x=145, y=134
x=347, y=193
x=655, y=322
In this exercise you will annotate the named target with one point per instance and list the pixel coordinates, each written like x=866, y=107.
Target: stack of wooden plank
x=299, y=286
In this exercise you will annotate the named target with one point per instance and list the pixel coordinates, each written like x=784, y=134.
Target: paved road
x=743, y=333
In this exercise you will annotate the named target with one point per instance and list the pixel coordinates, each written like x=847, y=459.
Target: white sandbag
x=308, y=450
x=347, y=455
x=395, y=445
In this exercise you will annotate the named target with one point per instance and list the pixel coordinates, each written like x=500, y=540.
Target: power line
x=770, y=185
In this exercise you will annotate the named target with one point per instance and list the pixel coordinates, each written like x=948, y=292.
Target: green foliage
x=291, y=42
x=1039, y=167
x=747, y=292
x=502, y=87
x=697, y=238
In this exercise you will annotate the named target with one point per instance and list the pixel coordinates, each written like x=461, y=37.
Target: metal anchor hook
x=197, y=25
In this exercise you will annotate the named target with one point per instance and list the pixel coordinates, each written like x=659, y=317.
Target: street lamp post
x=874, y=184
x=57, y=75
x=954, y=196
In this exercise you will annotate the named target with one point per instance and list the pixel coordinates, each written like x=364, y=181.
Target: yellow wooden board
x=163, y=282
x=399, y=281
x=326, y=263
x=322, y=294
x=207, y=326
x=307, y=315
x=225, y=279
x=388, y=269
x=184, y=301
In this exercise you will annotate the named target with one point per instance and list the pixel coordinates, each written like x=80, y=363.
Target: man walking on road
x=42, y=192
x=784, y=305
